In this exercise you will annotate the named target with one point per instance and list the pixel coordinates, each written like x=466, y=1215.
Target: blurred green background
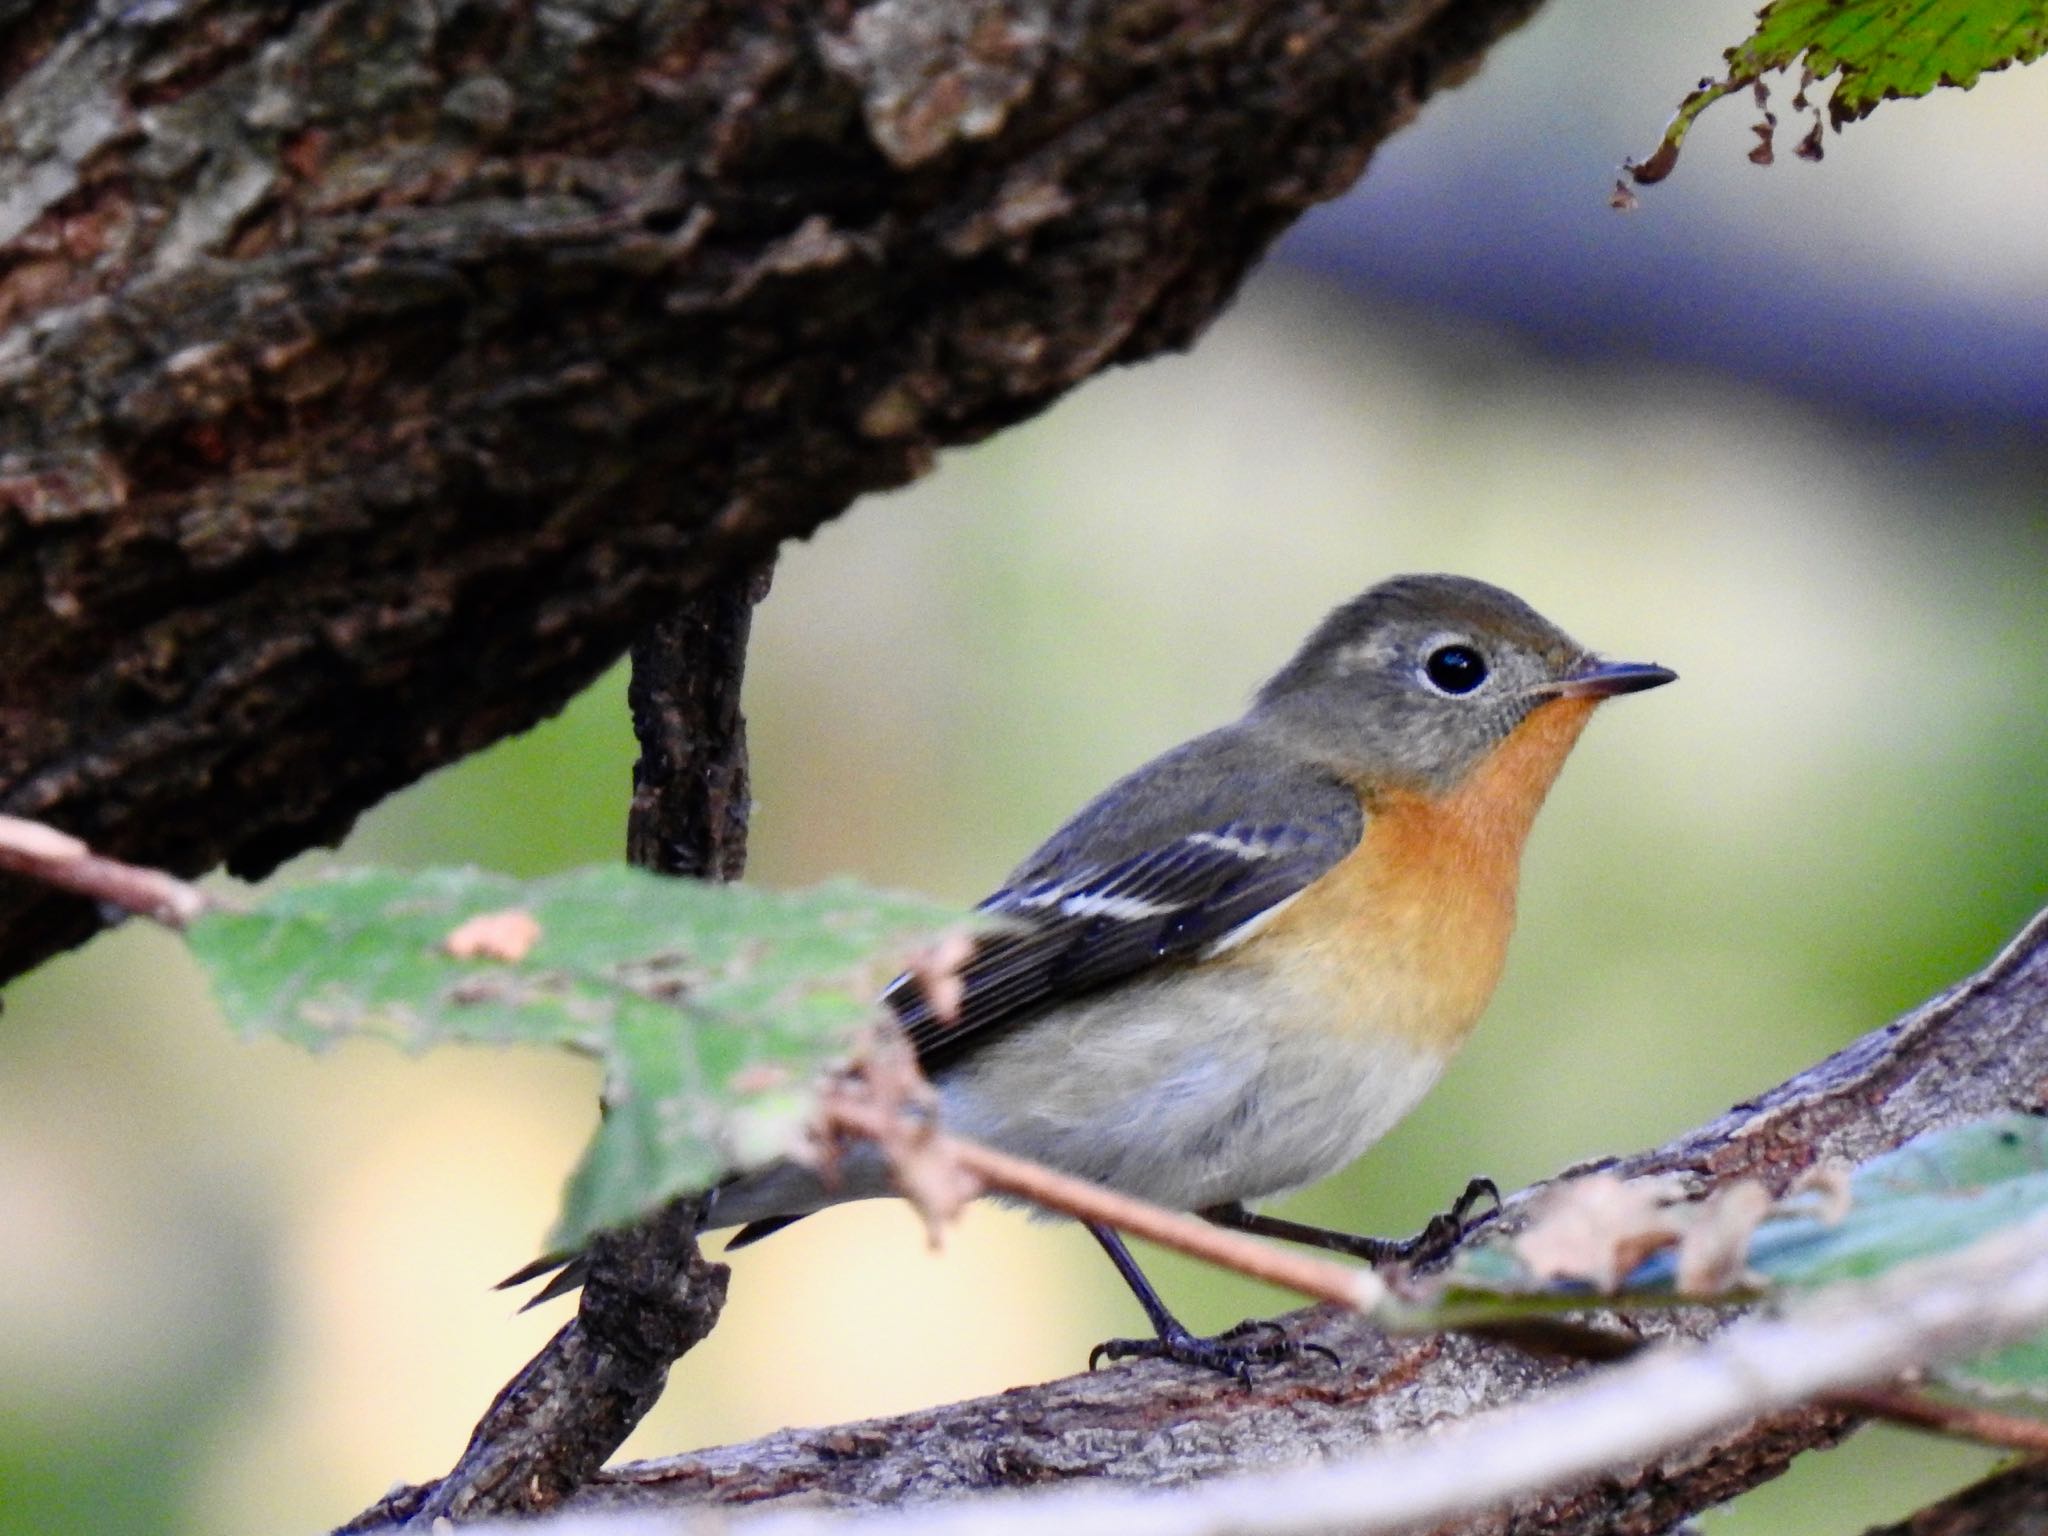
x=243, y=1291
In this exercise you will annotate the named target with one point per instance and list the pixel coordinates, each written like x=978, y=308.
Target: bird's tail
x=567, y=1271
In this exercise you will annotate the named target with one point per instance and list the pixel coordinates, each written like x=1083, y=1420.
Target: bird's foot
x=1445, y=1230
x=1234, y=1352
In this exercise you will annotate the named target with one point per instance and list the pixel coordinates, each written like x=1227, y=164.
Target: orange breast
x=1409, y=933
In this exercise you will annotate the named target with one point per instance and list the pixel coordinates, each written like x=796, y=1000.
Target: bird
x=1238, y=967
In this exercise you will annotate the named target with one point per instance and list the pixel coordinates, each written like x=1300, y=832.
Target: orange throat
x=1411, y=930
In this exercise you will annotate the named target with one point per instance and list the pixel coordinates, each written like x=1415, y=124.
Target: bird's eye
x=1455, y=669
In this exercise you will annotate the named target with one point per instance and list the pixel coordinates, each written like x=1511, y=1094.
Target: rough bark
x=370, y=370
x=1981, y=1048
x=691, y=798
x=648, y=1299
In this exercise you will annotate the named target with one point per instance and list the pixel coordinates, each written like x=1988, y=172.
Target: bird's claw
x=1445, y=1230
x=1258, y=1341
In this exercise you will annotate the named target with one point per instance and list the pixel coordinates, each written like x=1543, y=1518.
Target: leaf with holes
x=1936, y=1195
x=1872, y=50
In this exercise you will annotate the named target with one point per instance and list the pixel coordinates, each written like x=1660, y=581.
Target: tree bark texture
x=1977, y=1050
x=370, y=370
x=691, y=795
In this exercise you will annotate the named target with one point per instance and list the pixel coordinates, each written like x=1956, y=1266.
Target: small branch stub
x=42, y=853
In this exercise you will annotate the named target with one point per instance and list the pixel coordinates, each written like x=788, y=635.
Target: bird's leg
x=1443, y=1231
x=1233, y=1352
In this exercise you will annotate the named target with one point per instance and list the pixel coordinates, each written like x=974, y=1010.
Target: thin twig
x=1961, y=1421
x=1053, y=1191
x=39, y=852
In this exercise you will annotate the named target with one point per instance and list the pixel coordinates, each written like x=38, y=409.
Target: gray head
x=1412, y=683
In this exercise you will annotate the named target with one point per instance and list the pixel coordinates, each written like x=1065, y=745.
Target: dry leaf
x=508, y=935
x=1713, y=1255
x=1598, y=1228
x=889, y=1101
x=1829, y=1183
x=939, y=970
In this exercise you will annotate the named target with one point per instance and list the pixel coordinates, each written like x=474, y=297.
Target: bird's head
x=1413, y=684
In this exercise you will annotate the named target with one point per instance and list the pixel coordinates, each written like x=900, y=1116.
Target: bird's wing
x=1109, y=896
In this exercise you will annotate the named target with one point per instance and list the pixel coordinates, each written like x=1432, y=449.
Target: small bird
x=1238, y=967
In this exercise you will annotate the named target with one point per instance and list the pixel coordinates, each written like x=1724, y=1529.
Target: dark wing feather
x=1074, y=924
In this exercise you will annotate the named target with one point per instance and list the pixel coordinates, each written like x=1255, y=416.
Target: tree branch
x=648, y=1296
x=370, y=374
x=1959, y=1421
x=1978, y=1049
x=56, y=859
x=1991, y=1294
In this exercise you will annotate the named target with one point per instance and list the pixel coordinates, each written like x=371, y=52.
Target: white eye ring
x=1454, y=667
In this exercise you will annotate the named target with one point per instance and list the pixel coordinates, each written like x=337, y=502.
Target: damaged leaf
x=1713, y=1252
x=1597, y=1229
x=1601, y=1230
x=507, y=936
x=717, y=1010
x=1872, y=50
x=1935, y=1195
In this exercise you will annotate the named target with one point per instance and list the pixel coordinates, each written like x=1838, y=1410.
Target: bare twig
x=1055, y=1191
x=1960, y=1421
x=42, y=853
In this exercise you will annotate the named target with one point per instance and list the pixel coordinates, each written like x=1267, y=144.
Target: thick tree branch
x=370, y=373
x=691, y=797
x=1981, y=1048
x=1993, y=1293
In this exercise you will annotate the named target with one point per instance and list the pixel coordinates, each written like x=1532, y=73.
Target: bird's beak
x=1597, y=679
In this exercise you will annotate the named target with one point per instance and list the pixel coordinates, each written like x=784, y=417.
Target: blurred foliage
x=1872, y=50
x=716, y=1010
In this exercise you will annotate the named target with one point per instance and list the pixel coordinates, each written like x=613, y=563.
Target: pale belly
x=1185, y=1089
x=1190, y=1095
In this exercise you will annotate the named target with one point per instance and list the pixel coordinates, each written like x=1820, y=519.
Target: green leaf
x=1938, y=1193
x=2018, y=1370
x=1873, y=50
x=716, y=1009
